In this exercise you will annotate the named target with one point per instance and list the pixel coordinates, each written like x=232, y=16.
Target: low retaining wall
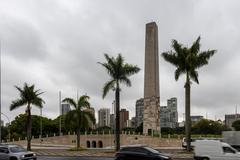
x=102, y=141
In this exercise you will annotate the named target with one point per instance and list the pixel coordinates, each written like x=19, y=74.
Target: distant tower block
x=151, y=119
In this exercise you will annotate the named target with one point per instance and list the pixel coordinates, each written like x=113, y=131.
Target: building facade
x=139, y=111
x=65, y=108
x=169, y=114
x=124, y=116
x=112, y=121
x=172, y=105
x=104, y=117
x=131, y=123
x=230, y=118
x=92, y=111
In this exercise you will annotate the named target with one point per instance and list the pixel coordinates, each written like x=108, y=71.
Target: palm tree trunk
x=187, y=114
x=79, y=131
x=117, y=132
x=29, y=128
x=78, y=137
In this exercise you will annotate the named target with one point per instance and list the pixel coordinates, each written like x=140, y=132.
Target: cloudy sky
x=56, y=46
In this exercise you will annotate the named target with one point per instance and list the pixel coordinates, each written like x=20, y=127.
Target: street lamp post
x=9, y=135
x=41, y=124
x=0, y=93
x=114, y=120
x=60, y=113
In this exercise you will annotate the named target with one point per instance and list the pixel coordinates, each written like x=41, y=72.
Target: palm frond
x=19, y=89
x=109, y=68
x=203, y=58
x=17, y=103
x=72, y=116
x=70, y=101
x=171, y=58
x=195, y=48
x=28, y=95
x=119, y=60
x=38, y=102
x=38, y=92
x=130, y=69
x=177, y=46
x=108, y=86
x=126, y=81
x=194, y=76
x=110, y=65
x=83, y=102
x=89, y=116
x=178, y=72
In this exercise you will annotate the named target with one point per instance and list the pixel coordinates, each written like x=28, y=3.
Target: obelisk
x=151, y=117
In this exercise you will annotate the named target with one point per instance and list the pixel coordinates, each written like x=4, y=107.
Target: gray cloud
x=57, y=44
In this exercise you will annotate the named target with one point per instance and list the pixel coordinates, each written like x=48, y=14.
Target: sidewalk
x=62, y=152
x=175, y=153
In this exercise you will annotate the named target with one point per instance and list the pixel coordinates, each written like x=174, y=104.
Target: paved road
x=72, y=158
x=82, y=158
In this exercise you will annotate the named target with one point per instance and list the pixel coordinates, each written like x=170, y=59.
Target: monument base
x=151, y=116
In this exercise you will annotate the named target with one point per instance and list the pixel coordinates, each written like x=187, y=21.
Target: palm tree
x=187, y=61
x=119, y=73
x=28, y=96
x=80, y=116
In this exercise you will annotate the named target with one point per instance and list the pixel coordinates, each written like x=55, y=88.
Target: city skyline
x=60, y=51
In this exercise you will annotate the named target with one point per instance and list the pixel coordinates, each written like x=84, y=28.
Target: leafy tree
x=28, y=96
x=167, y=130
x=187, y=61
x=119, y=73
x=5, y=132
x=206, y=126
x=139, y=129
x=80, y=116
x=236, y=125
x=65, y=127
x=104, y=129
x=129, y=129
x=20, y=122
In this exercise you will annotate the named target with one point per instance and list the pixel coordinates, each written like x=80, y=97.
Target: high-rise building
x=65, y=108
x=112, y=121
x=230, y=118
x=172, y=105
x=164, y=117
x=124, y=116
x=104, y=117
x=133, y=121
x=169, y=114
x=151, y=119
x=139, y=111
x=92, y=111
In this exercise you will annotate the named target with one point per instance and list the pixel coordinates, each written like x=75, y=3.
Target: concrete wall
x=107, y=140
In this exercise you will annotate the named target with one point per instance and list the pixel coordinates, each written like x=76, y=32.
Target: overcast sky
x=56, y=44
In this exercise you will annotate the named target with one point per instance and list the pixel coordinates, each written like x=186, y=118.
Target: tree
x=28, y=96
x=236, y=125
x=139, y=129
x=80, y=117
x=119, y=73
x=187, y=61
x=206, y=126
x=105, y=129
x=48, y=127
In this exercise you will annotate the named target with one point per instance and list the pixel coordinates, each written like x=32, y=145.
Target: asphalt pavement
x=72, y=158
x=86, y=158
